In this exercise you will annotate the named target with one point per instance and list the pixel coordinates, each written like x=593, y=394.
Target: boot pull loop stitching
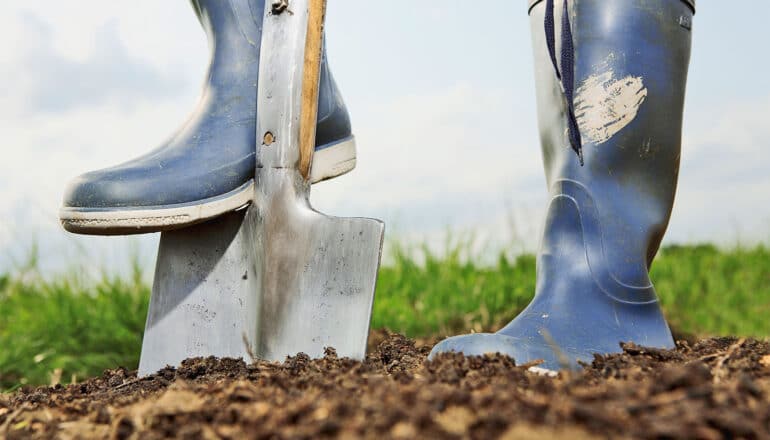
x=567, y=73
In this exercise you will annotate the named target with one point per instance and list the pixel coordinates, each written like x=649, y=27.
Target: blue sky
x=441, y=95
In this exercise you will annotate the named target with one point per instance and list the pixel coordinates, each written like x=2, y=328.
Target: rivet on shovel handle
x=268, y=139
x=279, y=6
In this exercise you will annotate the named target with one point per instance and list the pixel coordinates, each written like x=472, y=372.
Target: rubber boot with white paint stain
x=606, y=219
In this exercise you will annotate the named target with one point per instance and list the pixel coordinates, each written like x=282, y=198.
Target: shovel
x=315, y=273
x=277, y=278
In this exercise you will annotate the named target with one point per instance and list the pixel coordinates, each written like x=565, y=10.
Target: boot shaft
x=228, y=21
x=631, y=62
x=630, y=67
x=233, y=29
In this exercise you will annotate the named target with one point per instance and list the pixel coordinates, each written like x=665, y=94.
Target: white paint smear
x=604, y=105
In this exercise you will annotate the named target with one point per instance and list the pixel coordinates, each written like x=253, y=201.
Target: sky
x=441, y=96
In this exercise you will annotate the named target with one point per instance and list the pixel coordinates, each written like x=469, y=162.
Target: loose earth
x=710, y=389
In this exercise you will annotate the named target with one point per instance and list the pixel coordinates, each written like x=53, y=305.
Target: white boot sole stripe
x=333, y=160
x=83, y=220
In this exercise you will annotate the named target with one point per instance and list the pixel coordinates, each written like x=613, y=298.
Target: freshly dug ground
x=715, y=388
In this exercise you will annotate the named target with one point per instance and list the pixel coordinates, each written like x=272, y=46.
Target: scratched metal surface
x=203, y=298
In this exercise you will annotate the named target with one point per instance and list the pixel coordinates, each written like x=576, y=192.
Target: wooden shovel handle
x=310, y=84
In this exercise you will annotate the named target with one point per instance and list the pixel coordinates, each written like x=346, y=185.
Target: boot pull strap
x=567, y=73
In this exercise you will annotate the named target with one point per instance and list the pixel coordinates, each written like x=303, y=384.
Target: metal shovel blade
x=203, y=301
x=260, y=284
x=316, y=274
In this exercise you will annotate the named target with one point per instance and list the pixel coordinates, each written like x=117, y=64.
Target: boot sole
x=329, y=161
x=333, y=160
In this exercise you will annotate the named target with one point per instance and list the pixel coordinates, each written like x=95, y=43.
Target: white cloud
x=724, y=182
x=78, y=97
x=446, y=160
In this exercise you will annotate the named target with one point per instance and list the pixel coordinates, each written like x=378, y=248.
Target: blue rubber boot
x=207, y=168
x=611, y=78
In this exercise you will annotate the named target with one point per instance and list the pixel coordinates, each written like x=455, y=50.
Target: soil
x=709, y=389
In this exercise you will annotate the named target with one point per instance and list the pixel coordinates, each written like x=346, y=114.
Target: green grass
x=704, y=291
x=708, y=292
x=66, y=327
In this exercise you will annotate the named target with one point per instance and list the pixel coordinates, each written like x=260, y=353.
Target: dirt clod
x=714, y=388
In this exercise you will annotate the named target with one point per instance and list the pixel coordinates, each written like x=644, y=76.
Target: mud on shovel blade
x=316, y=274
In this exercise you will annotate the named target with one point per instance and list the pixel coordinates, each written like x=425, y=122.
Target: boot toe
x=104, y=190
x=522, y=350
x=128, y=200
x=143, y=187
